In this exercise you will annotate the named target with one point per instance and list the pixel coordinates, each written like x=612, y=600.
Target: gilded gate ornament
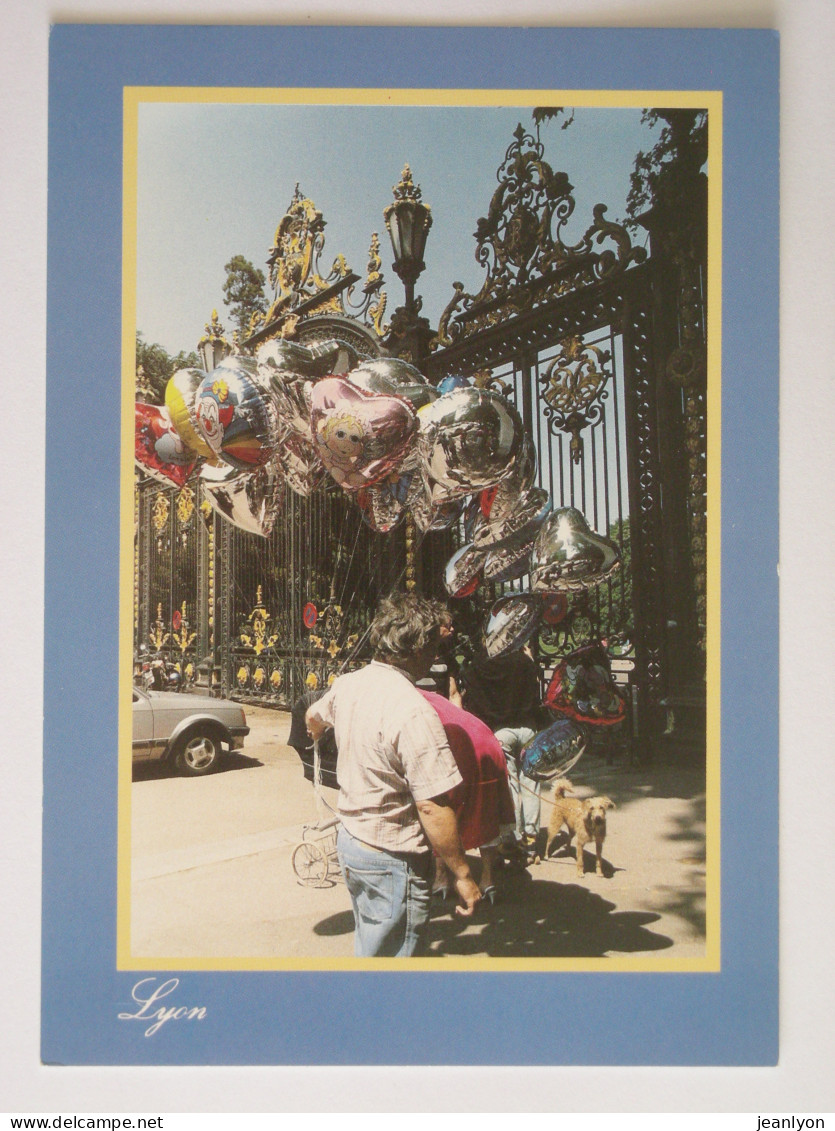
x=185, y=505
x=157, y=635
x=573, y=389
x=183, y=638
x=521, y=246
x=293, y=264
x=258, y=639
x=160, y=512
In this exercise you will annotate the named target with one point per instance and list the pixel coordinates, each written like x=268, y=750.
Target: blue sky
x=215, y=179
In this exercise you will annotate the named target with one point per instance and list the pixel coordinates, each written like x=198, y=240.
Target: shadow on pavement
x=534, y=919
x=153, y=771
x=540, y=919
x=341, y=924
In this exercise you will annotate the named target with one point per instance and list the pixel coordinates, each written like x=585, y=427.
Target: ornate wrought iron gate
x=578, y=336
x=169, y=552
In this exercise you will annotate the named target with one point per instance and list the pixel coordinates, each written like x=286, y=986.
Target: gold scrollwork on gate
x=258, y=636
x=574, y=384
x=520, y=244
x=295, y=275
x=160, y=512
x=185, y=505
x=183, y=637
x=157, y=635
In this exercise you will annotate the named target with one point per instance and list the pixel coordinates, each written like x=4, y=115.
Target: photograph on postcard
x=420, y=461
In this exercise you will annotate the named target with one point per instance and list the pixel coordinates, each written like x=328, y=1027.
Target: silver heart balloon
x=500, y=500
x=509, y=563
x=568, y=555
x=519, y=526
x=463, y=571
x=249, y=500
x=513, y=621
x=469, y=439
x=381, y=509
x=314, y=359
x=302, y=468
x=392, y=375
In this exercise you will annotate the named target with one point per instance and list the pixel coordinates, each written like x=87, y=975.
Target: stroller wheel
x=310, y=864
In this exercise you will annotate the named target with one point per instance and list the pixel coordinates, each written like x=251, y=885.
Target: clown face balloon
x=179, y=400
x=469, y=439
x=158, y=448
x=567, y=555
x=234, y=416
x=249, y=500
x=513, y=621
x=360, y=437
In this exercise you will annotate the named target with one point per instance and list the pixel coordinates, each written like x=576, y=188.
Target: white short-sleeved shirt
x=392, y=753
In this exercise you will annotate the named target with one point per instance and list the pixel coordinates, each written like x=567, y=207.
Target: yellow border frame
x=712, y=100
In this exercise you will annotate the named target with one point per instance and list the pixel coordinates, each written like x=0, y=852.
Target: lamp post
x=408, y=221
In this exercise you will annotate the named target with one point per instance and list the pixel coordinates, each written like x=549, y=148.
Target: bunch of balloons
x=396, y=445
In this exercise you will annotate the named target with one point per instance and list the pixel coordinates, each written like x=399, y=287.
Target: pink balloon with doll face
x=362, y=438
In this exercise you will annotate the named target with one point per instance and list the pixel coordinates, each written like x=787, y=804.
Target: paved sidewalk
x=213, y=878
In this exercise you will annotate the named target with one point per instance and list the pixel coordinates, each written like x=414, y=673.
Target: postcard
x=479, y=316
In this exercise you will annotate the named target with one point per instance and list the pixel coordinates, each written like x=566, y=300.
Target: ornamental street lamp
x=213, y=346
x=408, y=221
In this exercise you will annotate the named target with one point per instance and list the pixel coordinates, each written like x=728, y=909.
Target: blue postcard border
x=729, y=1018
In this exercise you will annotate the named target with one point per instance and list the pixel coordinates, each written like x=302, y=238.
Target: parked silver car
x=188, y=732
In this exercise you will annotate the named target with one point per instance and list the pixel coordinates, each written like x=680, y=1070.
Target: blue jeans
x=391, y=898
x=525, y=790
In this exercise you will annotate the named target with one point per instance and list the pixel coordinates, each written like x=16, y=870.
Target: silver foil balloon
x=302, y=468
x=513, y=621
x=508, y=564
x=250, y=500
x=469, y=439
x=463, y=571
x=568, y=555
x=393, y=376
x=518, y=527
x=554, y=751
x=381, y=509
x=315, y=359
x=499, y=502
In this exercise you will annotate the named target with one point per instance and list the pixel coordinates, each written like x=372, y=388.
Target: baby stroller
x=314, y=857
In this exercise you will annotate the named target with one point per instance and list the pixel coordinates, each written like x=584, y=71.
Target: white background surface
x=803, y=1082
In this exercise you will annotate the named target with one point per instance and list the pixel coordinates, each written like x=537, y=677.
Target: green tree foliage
x=244, y=292
x=158, y=365
x=665, y=174
x=553, y=113
x=614, y=596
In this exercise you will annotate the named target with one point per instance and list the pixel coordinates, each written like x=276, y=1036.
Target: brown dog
x=585, y=818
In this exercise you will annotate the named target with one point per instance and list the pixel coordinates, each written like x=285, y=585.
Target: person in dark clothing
x=504, y=692
x=302, y=743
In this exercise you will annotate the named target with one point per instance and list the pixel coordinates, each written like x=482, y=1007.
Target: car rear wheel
x=197, y=753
